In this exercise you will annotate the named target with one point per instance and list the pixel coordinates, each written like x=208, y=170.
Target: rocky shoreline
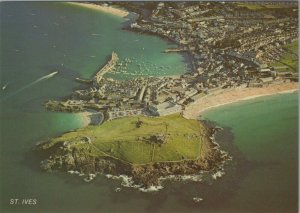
x=142, y=176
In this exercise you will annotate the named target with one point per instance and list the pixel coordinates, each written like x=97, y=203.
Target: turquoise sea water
x=266, y=133
x=38, y=38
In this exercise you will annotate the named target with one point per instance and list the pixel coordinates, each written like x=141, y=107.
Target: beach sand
x=106, y=9
x=85, y=118
x=239, y=94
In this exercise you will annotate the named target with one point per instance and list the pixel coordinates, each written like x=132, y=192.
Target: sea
x=39, y=38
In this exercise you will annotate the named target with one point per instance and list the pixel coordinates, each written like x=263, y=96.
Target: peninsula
x=139, y=140
x=143, y=148
x=149, y=128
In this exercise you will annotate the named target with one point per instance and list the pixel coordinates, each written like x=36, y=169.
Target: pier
x=172, y=50
x=108, y=67
x=84, y=81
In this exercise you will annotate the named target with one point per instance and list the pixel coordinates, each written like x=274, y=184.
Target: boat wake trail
x=36, y=81
x=30, y=85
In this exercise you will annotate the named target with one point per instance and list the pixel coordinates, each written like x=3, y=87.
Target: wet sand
x=235, y=95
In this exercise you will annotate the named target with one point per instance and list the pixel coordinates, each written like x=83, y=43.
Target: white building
x=165, y=108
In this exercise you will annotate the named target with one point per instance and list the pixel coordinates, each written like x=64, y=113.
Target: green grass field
x=123, y=140
x=290, y=59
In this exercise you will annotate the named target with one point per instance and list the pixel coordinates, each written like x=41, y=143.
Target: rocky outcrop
x=63, y=106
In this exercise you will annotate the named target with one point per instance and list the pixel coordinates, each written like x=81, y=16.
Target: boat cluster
x=138, y=67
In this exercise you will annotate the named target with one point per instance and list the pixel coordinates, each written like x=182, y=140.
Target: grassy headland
x=122, y=139
x=144, y=148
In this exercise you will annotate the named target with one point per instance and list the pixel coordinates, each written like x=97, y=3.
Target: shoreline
x=107, y=9
x=211, y=101
x=90, y=118
x=85, y=118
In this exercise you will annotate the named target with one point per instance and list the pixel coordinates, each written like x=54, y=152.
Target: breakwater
x=108, y=67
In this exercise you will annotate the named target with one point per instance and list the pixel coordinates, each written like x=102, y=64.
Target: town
x=229, y=46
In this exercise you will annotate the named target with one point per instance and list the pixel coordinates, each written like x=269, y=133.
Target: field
x=131, y=139
x=290, y=59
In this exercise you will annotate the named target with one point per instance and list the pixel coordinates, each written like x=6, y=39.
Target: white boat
x=4, y=87
x=52, y=74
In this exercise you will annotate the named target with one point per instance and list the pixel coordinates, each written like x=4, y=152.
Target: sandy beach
x=85, y=118
x=91, y=117
x=239, y=94
x=106, y=9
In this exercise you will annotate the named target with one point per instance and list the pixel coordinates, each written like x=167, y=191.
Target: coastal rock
x=147, y=175
x=69, y=162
